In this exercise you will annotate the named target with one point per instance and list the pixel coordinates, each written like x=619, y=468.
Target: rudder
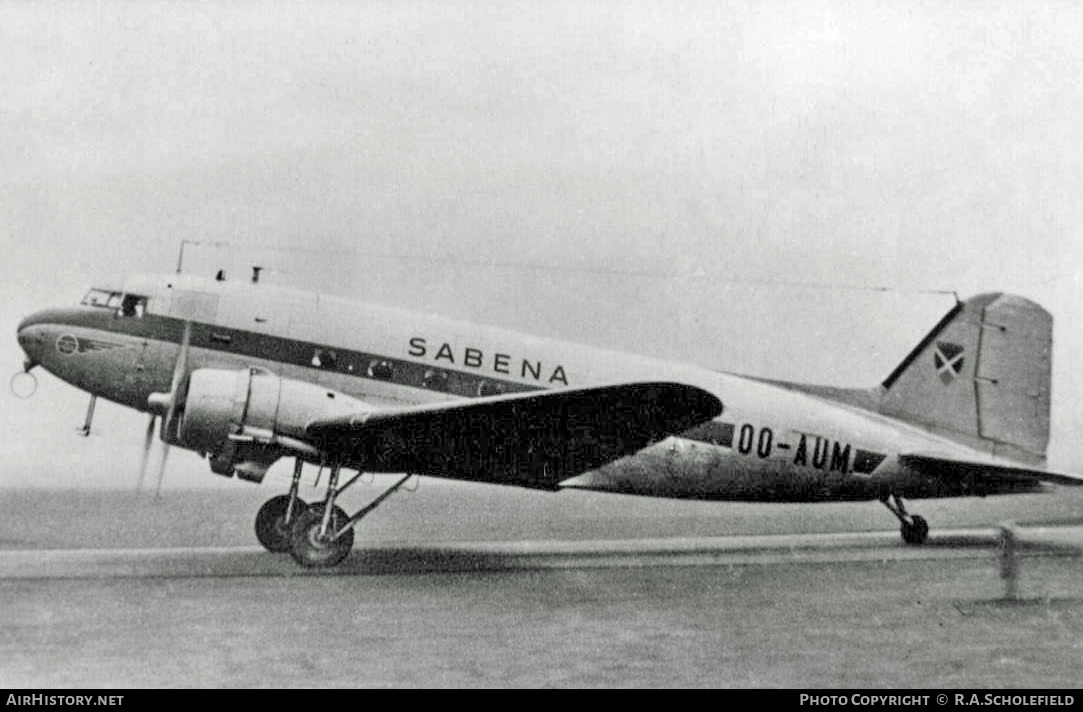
x=981, y=376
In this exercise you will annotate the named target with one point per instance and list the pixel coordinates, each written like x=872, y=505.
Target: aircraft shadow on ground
x=957, y=541
x=445, y=559
x=424, y=560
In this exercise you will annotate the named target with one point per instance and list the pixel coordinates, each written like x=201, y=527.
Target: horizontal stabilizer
x=952, y=467
x=531, y=439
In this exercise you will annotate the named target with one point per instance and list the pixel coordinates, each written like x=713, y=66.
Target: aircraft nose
x=29, y=335
x=22, y=333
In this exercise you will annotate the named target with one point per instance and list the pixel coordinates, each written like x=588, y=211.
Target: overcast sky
x=660, y=177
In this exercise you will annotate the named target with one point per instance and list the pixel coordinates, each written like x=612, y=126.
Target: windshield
x=102, y=298
x=124, y=304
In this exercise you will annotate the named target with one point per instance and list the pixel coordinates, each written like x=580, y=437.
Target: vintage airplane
x=246, y=373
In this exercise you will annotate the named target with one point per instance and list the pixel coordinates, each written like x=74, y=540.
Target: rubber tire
x=307, y=548
x=916, y=532
x=271, y=529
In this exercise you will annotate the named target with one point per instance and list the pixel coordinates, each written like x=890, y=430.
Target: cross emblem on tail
x=948, y=359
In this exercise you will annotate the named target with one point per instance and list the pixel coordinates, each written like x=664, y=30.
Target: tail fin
x=981, y=376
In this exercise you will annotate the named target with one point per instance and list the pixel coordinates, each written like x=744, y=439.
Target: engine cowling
x=245, y=419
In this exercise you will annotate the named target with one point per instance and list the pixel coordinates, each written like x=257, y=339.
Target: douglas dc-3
x=247, y=373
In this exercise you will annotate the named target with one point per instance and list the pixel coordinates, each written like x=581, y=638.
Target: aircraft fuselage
x=771, y=443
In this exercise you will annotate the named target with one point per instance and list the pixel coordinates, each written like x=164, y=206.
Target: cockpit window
x=101, y=298
x=124, y=304
x=133, y=305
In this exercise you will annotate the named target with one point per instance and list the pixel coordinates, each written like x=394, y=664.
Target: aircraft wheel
x=271, y=528
x=916, y=532
x=309, y=548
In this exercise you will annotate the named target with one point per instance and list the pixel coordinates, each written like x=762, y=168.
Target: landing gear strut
x=322, y=535
x=85, y=430
x=278, y=514
x=915, y=530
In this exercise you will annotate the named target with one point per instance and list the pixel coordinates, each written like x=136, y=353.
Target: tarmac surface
x=384, y=559
x=409, y=609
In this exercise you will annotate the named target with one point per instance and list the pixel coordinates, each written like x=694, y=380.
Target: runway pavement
x=836, y=611
x=468, y=589
x=391, y=558
x=856, y=610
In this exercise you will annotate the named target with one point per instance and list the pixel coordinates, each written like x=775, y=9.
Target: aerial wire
x=554, y=268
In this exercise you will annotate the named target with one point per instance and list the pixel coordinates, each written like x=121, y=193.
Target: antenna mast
x=186, y=241
x=180, y=255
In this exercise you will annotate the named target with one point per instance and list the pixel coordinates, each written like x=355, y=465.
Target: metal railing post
x=1009, y=561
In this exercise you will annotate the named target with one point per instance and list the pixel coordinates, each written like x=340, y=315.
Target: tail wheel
x=916, y=531
x=311, y=549
x=271, y=528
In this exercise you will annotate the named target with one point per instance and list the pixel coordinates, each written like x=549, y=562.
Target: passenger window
x=435, y=380
x=381, y=369
x=324, y=358
x=488, y=388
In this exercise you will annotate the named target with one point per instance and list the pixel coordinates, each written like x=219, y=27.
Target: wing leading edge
x=530, y=440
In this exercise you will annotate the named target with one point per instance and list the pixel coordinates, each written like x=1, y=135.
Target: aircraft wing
x=531, y=439
x=939, y=465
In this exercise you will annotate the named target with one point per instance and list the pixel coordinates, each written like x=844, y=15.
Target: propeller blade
x=165, y=404
x=179, y=371
x=161, y=470
x=147, y=442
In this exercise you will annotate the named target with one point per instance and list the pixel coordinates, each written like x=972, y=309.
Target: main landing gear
x=319, y=534
x=915, y=530
x=277, y=515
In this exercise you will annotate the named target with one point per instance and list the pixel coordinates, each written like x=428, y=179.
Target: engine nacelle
x=240, y=418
